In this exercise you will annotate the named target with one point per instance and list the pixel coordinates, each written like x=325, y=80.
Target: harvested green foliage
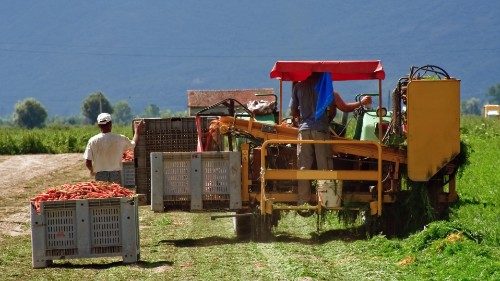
x=463, y=158
x=416, y=209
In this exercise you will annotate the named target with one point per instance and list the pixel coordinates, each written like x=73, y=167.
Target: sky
x=154, y=51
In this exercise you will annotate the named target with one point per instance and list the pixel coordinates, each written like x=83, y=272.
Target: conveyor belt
x=268, y=132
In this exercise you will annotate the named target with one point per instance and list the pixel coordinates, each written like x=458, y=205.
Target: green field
x=52, y=139
x=191, y=246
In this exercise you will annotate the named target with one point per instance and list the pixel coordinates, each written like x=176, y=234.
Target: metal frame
x=268, y=174
x=279, y=174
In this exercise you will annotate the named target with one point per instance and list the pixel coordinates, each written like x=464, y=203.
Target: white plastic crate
x=128, y=174
x=195, y=180
x=85, y=228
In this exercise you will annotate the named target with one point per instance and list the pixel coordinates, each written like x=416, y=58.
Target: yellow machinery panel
x=433, y=114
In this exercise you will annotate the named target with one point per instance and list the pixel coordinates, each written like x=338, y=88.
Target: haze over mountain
x=154, y=51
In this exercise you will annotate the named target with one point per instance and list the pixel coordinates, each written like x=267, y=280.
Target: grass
x=191, y=246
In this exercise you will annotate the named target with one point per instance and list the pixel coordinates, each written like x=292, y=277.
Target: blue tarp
x=324, y=90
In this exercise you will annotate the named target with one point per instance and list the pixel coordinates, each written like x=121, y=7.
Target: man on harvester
x=313, y=106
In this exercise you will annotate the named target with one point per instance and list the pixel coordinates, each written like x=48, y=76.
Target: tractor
x=395, y=158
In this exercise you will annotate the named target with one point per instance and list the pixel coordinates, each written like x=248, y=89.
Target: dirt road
x=17, y=170
x=24, y=175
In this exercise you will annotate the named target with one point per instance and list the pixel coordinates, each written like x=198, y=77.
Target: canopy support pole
x=380, y=131
x=280, y=114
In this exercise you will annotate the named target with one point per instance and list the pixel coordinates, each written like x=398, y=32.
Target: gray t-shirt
x=304, y=99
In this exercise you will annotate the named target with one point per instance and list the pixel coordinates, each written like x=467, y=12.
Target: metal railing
x=284, y=174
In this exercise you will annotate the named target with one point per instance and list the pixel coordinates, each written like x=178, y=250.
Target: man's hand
x=139, y=126
x=88, y=163
x=365, y=100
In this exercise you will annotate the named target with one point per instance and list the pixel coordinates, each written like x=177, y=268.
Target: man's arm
x=349, y=107
x=88, y=163
x=294, y=108
x=295, y=116
x=138, y=126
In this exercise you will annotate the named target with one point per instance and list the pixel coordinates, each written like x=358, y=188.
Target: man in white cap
x=103, y=155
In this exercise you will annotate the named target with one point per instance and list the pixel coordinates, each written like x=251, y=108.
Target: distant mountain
x=154, y=51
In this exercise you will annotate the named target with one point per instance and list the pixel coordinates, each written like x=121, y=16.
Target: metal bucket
x=330, y=193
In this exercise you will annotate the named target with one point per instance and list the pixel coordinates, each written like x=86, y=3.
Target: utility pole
x=100, y=102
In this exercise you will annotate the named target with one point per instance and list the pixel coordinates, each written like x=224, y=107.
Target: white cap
x=103, y=118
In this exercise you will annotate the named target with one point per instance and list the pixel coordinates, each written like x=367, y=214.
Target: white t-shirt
x=105, y=150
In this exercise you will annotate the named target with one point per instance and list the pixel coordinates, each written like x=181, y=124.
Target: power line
x=133, y=55
x=115, y=54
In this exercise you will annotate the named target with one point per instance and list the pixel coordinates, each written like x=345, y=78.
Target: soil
x=17, y=177
x=17, y=170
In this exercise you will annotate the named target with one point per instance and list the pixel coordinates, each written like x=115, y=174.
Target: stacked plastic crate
x=128, y=169
x=164, y=135
x=128, y=174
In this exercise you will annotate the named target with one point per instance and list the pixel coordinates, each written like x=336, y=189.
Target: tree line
x=474, y=106
x=30, y=113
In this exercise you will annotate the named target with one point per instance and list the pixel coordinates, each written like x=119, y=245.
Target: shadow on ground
x=141, y=264
x=347, y=235
x=203, y=242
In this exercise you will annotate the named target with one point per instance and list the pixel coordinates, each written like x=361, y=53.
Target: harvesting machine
x=395, y=157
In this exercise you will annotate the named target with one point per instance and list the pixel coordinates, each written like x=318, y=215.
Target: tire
x=441, y=209
x=243, y=225
x=390, y=223
x=262, y=228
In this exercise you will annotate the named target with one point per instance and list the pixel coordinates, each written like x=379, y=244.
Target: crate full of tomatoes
x=84, y=220
x=128, y=169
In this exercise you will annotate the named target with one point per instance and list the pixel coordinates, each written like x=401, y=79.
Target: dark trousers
x=109, y=176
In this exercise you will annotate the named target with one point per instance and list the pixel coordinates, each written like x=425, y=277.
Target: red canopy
x=340, y=70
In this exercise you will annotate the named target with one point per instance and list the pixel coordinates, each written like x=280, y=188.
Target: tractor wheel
x=275, y=218
x=243, y=226
x=434, y=189
x=389, y=224
x=372, y=224
x=262, y=227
